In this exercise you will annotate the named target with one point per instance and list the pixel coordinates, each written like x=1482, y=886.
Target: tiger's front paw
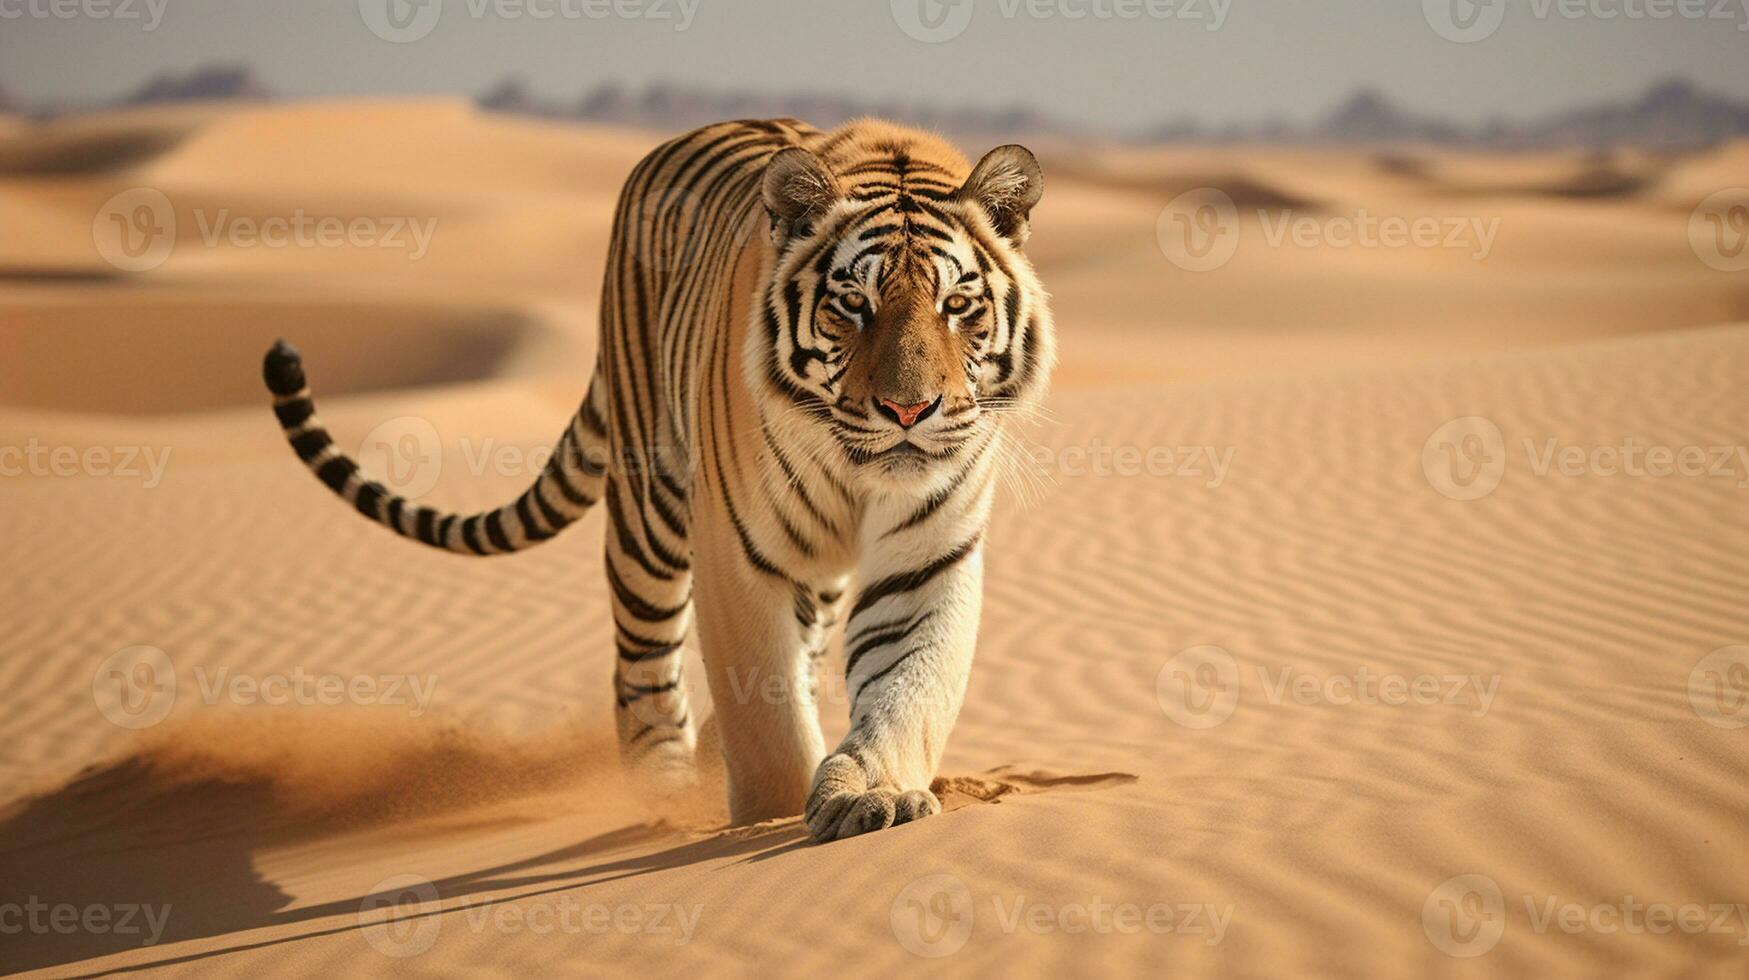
x=842, y=803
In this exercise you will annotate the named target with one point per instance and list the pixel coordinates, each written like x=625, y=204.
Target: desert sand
x=1256, y=682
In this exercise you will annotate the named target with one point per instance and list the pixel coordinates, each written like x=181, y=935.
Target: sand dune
x=1322, y=551
x=1250, y=477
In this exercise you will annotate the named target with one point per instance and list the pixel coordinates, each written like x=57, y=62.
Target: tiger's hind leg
x=650, y=579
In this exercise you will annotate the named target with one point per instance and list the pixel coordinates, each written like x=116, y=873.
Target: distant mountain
x=1368, y=117
x=1670, y=115
x=214, y=82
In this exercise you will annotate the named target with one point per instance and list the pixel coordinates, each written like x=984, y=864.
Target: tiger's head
x=902, y=316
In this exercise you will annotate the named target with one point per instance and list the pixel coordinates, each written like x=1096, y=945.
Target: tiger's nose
x=906, y=415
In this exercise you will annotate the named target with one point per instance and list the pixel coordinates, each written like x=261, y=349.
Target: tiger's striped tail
x=570, y=483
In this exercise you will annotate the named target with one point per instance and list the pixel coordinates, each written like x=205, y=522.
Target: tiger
x=812, y=344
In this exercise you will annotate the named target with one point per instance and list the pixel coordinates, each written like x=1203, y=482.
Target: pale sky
x=1115, y=65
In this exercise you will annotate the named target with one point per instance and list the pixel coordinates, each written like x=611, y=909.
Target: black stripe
x=635, y=604
x=629, y=655
x=525, y=514
x=575, y=497
x=913, y=579
x=685, y=720
x=336, y=472
x=471, y=535
x=495, y=531
x=622, y=530
x=295, y=412
x=935, y=500
x=643, y=690
x=427, y=529
x=885, y=634
x=555, y=520
x=633, y=639
x=370, y=494
x=310, y=444
x=877, y=675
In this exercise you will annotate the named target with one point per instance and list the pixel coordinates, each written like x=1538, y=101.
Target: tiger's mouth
x=902, y=456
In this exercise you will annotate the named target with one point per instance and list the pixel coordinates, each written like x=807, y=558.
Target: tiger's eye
x=853, y=301
x=957, y=304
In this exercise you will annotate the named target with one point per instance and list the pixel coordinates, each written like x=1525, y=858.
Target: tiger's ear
x=1007, y=183
x=797, y=188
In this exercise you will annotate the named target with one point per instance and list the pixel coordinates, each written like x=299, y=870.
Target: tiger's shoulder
x=852, y=151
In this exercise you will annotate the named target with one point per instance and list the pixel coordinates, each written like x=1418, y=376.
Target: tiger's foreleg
x=908, y=653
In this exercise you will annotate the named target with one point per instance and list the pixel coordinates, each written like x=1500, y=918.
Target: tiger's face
x=903, y=317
